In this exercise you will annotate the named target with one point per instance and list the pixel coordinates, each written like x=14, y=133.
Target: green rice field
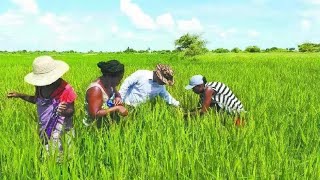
x=280, y=140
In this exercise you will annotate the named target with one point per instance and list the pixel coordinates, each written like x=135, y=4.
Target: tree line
x=192, y=45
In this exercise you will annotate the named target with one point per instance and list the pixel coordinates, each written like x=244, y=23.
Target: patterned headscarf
x=165, y=74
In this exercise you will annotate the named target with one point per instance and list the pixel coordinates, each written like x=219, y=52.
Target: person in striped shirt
x=215, y=95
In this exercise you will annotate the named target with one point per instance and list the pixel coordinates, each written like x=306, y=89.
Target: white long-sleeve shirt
x=140, y=87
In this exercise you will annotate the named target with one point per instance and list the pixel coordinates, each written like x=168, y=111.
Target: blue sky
x=107, y=25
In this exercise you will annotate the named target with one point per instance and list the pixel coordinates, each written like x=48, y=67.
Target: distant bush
x=309, y=47
x=253, y=49
x=291, y=49
x=275, y=49
x=161, y=51
x=70, y=51
x=129, y=50
x=221, y=50
x=236, y=50
x=142, y=51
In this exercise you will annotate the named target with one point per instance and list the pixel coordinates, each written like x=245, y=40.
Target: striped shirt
x=224, y=97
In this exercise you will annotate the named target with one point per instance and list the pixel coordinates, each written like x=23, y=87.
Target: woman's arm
x=208, y=93
x=205, y=104
x=28, y=98
x=117, y=100
x=95, y=101
x=66, y=109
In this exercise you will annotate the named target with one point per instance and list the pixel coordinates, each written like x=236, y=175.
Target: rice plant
x=280, y=140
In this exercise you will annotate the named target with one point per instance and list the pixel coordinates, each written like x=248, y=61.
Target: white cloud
x=232, y=30
x=11, y=18
x=27, y=6
x=144, y=21
x=61, y=26
x=165, y=20
x=70, y=30
x=192, y=25
x=305, y=24
x=315, y=2
x=127, y=35
x=260, y=2
x=87, y=19
x=58, y=24
x=223, y=33
x=253, y=33
x=313, y=13
x=6, y=34
x=63, y=38
x=137, y=37
x=146, y=38
x=140, y=19
x=114, y=29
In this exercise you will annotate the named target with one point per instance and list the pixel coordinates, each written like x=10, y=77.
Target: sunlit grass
x=280, y=140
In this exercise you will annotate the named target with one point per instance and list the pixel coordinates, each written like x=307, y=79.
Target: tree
x=191, y=44
x=253, y=49
x=309, y=47
x=292, y=49
x=221, y=50
x=142, y=51
x=162, y=51
x=129, y=50
x=236, y=50
x=276, y=49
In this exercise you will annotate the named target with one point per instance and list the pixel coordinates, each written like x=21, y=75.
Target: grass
x=281, y=140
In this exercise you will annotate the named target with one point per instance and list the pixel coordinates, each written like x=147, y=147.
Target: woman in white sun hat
x=54, y=98
x=215, y=95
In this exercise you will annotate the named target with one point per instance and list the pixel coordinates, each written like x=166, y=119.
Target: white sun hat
x=194, y=81
x=45, y=71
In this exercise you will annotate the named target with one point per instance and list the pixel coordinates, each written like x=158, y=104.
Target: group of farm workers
x=54, y=97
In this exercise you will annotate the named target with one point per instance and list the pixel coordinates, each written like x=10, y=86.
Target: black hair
x=111, y=68
x=204, y=79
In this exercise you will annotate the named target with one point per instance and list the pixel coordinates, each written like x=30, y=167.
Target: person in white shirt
x=144, y=85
